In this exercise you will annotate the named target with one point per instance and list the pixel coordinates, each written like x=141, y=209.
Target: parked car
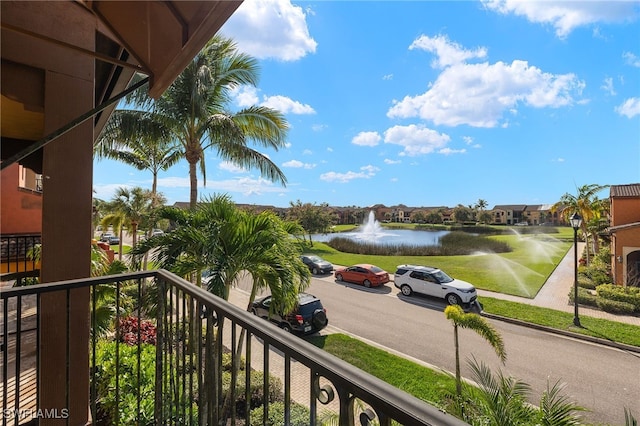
x=316, y=264
x=434, y=282
x=114, y=240
x=309, y=316
x=106, y=236
x=365, y=274
x=157, y=232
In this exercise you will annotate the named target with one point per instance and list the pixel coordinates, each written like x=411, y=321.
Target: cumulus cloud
x=271, y=29
x=366, y=139
x=631, y=59
x=630, y=108
x=287, y=105
x=416, y=139
x=447, y=53
x=298, y=164
x=449, y=151
x=365, y=173
x=479, y=94
x=246, y=96
x=565, y=16
x=390, y=161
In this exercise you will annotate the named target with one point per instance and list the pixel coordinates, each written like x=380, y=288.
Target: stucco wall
x=20, y=209
x=625, y=210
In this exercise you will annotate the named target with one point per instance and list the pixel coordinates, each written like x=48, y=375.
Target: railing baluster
x=117, y=413
x=18, y=353
x=287, y=389
x=313, y=404
x=265, y=387
x=247, y=377
x=68, y=355
x=157, y=407
x=5, y=356
x=138, y=346
x=94, y=393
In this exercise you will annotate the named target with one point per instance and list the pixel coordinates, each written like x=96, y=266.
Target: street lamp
x=576, y=222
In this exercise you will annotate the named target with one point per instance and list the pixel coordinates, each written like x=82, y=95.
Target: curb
x=605, y=342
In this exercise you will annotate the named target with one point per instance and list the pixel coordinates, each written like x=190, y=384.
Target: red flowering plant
x=129, y=327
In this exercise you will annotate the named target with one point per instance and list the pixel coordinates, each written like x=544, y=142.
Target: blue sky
x=431, y=103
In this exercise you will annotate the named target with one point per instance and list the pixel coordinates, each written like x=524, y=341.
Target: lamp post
x=576, y=222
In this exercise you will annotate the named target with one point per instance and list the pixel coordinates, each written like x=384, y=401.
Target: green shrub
x=256, y=394
x=586, y=282
x=299, y=415
x=630, y=295
x=584, y=297
x=615, y=307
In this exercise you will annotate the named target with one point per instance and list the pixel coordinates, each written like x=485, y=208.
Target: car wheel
x=338, y=277
x=315, y=271
x=254, y=312
x=319, y=318
x=286, y=327
x=453, y=299
x=406, y=290
x=367, y=283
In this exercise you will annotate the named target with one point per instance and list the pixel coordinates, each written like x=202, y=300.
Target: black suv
x=307, y=317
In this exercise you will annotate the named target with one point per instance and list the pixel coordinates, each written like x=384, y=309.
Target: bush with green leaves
x=130, y=389
x=629, y=295
x=585, y=282
x=584, y=297
x=256, y=391
x=299, y=415
x=615, y=307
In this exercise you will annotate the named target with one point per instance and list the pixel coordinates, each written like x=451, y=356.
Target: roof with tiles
x=630, y=190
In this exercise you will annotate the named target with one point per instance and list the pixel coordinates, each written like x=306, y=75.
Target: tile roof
x=631, y=190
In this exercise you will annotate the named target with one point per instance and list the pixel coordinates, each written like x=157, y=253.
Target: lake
x=388, y=237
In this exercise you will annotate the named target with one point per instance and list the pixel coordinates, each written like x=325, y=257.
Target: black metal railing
x=17, y=257
x=193, y=339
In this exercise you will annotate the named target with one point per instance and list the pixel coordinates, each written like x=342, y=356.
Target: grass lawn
x=422, y=382
x=521, y=272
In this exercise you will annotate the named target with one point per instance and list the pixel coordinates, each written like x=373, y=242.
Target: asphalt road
x=600, y=378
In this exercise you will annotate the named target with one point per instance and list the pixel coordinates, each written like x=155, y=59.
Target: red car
x=365, y=274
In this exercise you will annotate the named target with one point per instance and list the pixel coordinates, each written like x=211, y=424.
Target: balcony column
x=66, y=243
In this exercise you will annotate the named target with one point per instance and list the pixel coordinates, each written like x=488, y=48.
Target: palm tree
x=586, y=203
x=481, y=204
x=500, y=400
x=129, y=208
x=225, y=241
x=479, y=325
x=143, y=149
x=193, y=113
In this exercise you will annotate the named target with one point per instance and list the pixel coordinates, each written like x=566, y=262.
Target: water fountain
x=370, y=230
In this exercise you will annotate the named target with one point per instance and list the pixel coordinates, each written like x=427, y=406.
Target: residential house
x=625, y=234
x=508, y=214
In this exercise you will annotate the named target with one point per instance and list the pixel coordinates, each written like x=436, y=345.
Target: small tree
x=312, y=218
x=479, y=325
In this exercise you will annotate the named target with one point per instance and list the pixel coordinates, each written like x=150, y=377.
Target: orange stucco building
x=625, y=234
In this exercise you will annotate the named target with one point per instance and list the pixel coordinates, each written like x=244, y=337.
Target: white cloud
x=449, y=151
x=387, y=77
x=631, y=59
x=287, y=105
x=366, y=139
x=230, y=167
x=107, y=191
x=390, y=161
x=307, y=152
x=558, y=160
x=245, y=96
x=245, y=185
x=366, y=173
x=607, y=86
x=270, y=29
x=479, y=94
x=630, y=108
x=416, y=139
x=319, y=127
x=565, y=16
x=298, y=164
x=447, y=52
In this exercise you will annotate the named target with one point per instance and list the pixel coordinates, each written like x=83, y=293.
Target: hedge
x=630, y=295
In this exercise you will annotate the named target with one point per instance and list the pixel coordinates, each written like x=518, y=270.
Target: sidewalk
x=554, y=293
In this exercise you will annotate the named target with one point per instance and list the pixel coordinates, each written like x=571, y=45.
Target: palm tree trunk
x=193, y=182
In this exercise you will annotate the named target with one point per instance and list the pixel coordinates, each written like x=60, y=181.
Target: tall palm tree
x=194, y=113
x=479, y=325
x=586, y=203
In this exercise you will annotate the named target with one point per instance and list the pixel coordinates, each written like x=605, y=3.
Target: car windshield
x=442, y=277
x=375, y=269
x=315, y=259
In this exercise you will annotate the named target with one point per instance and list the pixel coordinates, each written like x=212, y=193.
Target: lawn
x=521, y=272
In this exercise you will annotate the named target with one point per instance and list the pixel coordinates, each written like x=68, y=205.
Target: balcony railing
x=16, y=259
x=194, y=330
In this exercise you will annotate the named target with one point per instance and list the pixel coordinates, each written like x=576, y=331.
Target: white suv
x=433, y=282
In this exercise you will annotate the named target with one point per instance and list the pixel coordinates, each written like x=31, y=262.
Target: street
x=602, y=379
